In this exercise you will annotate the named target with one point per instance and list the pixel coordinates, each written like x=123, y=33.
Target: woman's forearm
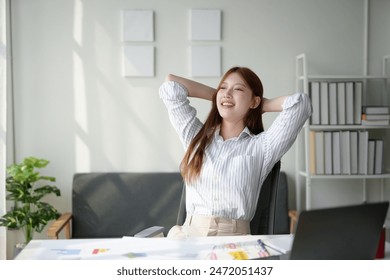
x=274, y=104
x=194, y=89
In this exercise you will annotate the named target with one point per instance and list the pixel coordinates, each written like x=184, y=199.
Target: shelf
x=304, y=150
x=354, y=176
x=342, y=77
x=347, y=127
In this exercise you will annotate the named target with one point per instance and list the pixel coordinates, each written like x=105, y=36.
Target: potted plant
x=26, y=188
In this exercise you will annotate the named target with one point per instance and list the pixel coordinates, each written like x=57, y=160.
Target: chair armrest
x=155, y=231
x=56, y=227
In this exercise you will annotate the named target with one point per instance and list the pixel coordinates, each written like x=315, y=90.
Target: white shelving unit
x=302, y=148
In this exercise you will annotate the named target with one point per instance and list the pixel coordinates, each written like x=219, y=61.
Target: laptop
x=341, y=233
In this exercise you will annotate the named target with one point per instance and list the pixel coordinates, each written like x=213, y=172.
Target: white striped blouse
x=233, y=170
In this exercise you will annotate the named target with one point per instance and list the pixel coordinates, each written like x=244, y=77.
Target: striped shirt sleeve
x=281, y=135
x=181, y=114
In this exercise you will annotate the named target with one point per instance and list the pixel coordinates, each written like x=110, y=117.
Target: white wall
x=379, y=34
x=3, y=120
x=74, y=108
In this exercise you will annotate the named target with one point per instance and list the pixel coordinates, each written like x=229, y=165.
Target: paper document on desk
x=281, y=243
x=245, y=250
x=78, y=249
x=164, y=248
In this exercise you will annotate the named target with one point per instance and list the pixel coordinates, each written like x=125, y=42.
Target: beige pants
x=209, y=226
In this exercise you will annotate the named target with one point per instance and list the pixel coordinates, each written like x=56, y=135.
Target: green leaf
x=47, y=178
x=35, y=162
x=48, y=190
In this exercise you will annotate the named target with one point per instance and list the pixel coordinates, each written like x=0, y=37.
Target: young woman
x=229, y=156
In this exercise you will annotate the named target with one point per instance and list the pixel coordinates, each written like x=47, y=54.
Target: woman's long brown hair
x=192, y=162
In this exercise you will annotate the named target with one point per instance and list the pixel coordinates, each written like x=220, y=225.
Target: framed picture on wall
x=205, y=25
x=138, y=26
x=138, y=61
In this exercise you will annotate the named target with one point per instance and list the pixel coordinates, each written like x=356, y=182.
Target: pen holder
x=380, y=253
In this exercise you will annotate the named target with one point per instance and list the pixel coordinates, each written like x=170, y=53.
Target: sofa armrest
x=293, y=214
x=56, y=227
x=155, y=231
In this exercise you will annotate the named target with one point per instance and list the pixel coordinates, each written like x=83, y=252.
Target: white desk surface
x=143, y=248
x=147, y=248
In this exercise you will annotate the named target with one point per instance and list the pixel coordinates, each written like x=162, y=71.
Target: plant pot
x=18, y=248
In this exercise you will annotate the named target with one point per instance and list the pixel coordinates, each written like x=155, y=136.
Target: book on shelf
x=336, y=152
x=315, y=101
x=375, y=122
x=378, y=156
x=319, y=147
x=341, y=103
x=345, y=151
x=371, y=157
x=363, y=152
x=324, y=103
x=328, y=152
x=354, y=152
x=349, y=103
x=333, y=104
x=357, y=99
x=375, y=110
x=371, y=117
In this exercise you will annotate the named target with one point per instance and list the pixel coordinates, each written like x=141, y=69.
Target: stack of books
x=375, y=115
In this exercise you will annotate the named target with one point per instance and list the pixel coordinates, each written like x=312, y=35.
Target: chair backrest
x=282, y=219
x=271, y=216
x=108, y=205
x=266, y=212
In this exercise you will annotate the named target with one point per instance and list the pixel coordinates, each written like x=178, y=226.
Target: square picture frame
x=138, y=25
x=138, y=61
x=205, y=25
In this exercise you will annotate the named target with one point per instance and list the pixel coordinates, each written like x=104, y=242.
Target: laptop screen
x=341, y=233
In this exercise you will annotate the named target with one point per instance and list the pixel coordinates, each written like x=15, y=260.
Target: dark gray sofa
x=108, y=204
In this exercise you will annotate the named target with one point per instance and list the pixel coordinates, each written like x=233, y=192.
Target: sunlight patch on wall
x=82, y=155
x=82, y=152
x=78, y=22
x=80, y=102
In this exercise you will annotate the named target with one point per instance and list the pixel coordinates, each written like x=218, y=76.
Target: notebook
x=341, y=233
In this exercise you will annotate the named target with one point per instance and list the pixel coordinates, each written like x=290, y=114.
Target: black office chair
x=271, y=216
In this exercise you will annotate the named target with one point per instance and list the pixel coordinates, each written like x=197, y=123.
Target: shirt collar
x=244, y=133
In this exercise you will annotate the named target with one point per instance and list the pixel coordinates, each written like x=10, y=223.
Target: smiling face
x=235, y=98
